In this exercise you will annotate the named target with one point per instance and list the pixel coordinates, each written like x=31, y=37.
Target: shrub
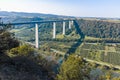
x=23, y=50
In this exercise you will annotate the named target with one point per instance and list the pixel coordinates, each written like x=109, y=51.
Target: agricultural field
x=105, y=53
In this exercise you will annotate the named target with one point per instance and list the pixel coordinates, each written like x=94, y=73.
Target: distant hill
x=12, y=16
x=24, y=14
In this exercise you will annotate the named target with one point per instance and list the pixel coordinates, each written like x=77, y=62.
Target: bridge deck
x=35, y=22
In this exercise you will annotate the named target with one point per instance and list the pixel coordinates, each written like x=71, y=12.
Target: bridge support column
x=36, y=36
x=63, y=28
x=70, y=24
x=54, y=30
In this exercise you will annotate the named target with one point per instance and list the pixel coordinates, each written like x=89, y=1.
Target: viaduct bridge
x=36, y=23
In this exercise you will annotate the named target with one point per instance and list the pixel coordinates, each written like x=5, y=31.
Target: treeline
x=57, y=40
x=77, y=40
x=100, y=29
x=103, y=40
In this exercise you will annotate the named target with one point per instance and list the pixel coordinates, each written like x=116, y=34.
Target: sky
x=79, y=8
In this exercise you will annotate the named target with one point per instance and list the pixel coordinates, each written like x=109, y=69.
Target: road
x=102, y=63
x=59, y=52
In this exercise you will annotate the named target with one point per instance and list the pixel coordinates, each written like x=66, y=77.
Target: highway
x=34, y=22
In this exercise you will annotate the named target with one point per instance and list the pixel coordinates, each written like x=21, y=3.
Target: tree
x=74, y=68
x=7, y=39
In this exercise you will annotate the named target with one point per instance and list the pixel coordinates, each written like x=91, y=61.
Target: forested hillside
x=100, y=29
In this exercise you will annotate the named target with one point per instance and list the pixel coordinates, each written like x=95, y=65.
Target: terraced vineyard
x=93, y=46
x=111, y=57
x=107, y=53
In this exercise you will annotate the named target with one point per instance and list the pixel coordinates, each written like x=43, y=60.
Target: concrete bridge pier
x=36, y=36
x=54, y=30
x=63, y=28
x=70, y=24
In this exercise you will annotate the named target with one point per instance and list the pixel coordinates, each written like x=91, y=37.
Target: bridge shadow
x=79, y=41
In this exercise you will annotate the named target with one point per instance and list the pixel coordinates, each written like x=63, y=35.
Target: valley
x=96, y=41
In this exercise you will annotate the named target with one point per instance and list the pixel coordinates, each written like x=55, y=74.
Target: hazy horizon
x=78, y=8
